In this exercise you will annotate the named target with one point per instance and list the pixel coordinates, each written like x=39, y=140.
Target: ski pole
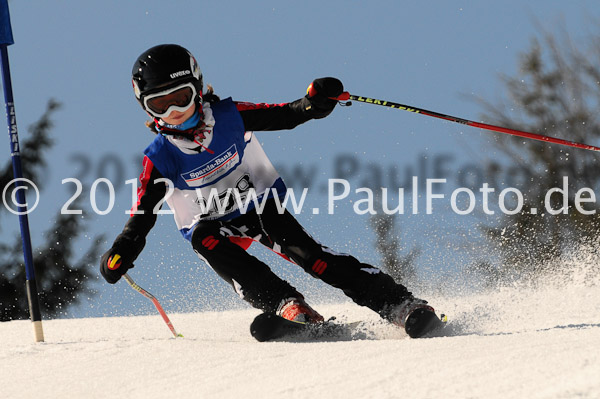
x=6, y=39
x=154, y=301
x=347, y=96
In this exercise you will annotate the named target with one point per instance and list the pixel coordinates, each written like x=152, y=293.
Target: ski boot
x=296, y=309
x=416, y=317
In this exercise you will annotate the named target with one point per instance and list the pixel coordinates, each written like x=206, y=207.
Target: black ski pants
x=215, y=242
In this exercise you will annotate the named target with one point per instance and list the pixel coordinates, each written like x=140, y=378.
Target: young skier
x=203, y=144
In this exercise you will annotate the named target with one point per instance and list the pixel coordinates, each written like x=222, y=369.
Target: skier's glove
x=114, y=264
x=319, y=94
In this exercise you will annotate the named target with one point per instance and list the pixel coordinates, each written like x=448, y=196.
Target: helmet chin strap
x=166, y=131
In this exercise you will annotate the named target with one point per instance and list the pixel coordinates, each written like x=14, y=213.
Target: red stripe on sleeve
x=144, y=179
x=245, y=106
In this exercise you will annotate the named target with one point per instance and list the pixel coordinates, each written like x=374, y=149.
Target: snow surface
x=512, y=343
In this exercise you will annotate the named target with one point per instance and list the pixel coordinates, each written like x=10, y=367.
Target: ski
x=269, y=327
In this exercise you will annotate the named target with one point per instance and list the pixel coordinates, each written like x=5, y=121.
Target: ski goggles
x=178, y=98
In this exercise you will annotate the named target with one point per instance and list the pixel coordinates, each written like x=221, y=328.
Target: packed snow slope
x=512, y=343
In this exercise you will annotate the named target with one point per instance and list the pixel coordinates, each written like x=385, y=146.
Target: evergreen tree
x=388, y=245
x=61, y=280
x=556, y=93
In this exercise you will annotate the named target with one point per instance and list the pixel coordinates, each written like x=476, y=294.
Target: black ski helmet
x=162, y=67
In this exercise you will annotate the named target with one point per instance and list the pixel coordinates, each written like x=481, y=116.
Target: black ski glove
x=125, y=249
x=319, y=93
x=115, y=263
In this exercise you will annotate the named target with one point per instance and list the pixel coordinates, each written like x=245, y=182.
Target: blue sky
x=437, y=55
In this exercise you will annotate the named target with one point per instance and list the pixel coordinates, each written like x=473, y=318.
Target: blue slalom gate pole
x=6, y=39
